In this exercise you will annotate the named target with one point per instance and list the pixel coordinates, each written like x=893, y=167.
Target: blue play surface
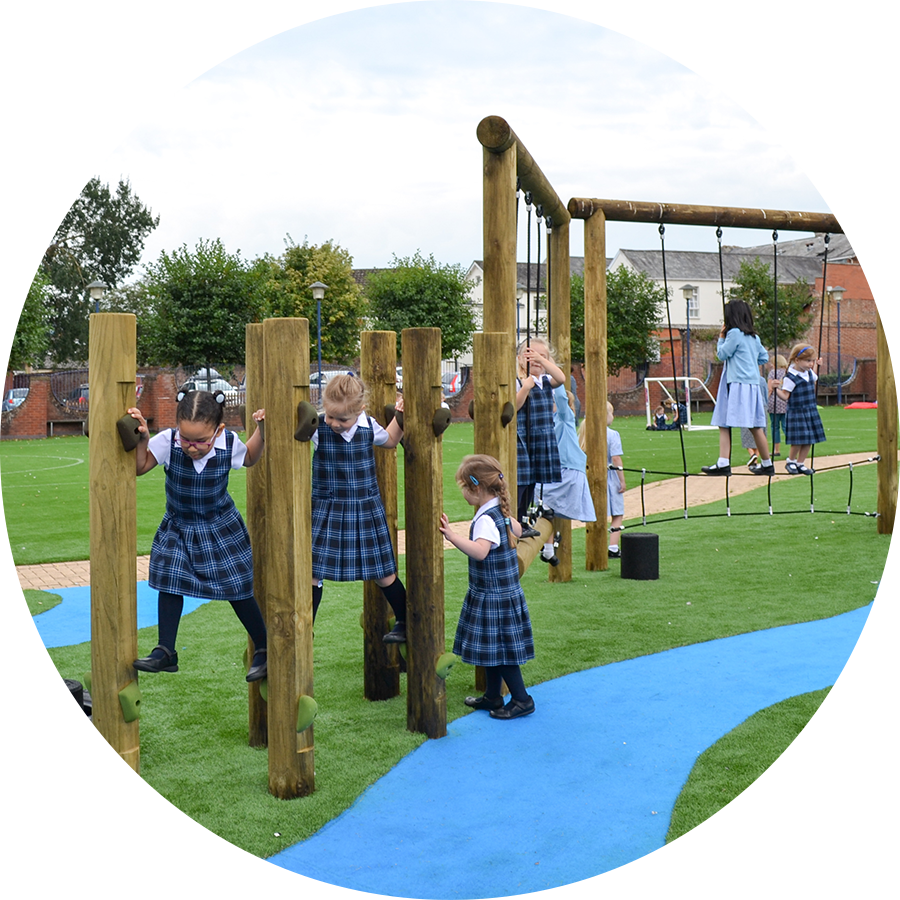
x=585, y=785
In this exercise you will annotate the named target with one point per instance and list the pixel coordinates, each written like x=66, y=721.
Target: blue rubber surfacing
x=572, y=802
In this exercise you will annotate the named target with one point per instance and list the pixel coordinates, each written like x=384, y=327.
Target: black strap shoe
x=716, y=470
x=259, y=668
x=397, y=635
x=484, y=703
x=514, y=709
x=165, y=662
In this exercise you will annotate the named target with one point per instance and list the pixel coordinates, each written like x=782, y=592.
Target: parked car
x=79, y=396
x=452, y=382
x=213, y=383
x=13, y=398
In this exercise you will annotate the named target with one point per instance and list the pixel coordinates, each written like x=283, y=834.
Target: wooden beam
x=426, y=700
x=288, y=577
x=381, y=662
x=887, y=436
x=493, y=358
x=113, y=531
x=595, y=363
x=497, y=137
x=256, y=521
x=688, y=214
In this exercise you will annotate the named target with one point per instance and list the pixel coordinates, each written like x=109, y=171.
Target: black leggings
x=512, y=675
x=172, y=605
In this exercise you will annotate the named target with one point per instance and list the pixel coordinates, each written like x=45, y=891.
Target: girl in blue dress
x=201, y=548
x=802, y=423
x=494, y=627
x=739, y=403
x=537, y=452
x=350, y=537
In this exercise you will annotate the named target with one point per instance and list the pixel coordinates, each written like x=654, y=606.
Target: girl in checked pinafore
x=494, y=627
x=537, y=452
x=802, y=423
x=350, y=537
x=202, y=548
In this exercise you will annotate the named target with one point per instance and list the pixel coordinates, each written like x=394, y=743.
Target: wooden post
x=426, y=701
x=493, y=357
x=288, y=575
x=887, y=436
x=596, y=544
x=256, y=521
x=561, y=338
x=378, y=367
x=113, y=530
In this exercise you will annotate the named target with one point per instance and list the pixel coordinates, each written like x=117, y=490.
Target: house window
x=693, y=306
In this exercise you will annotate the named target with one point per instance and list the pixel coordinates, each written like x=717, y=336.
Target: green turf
x=797, y=803
x=193, y=725
x=24, y=604
x=45, y=482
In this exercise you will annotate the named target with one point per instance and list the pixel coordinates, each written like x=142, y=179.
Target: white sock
x=765, y=462
x=613, y=547
x=723, y=462
x=548, y=548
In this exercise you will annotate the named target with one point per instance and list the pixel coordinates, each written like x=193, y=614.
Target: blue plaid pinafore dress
x=494, y=626
x=802, y=423
x=537, y=453
x=201, y=548
x=350, y=537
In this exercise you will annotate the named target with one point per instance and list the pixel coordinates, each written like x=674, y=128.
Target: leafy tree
x=23, y=316
x=198, y=305
x=420, y=293
x=286, y=290
x=755, y=284
x=634, y=305
x=100, y=238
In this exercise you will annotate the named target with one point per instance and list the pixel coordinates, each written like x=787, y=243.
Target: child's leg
x=163, y=657
x=615, y=523
x=316, y=597
x=525, y=496
x=250, y=617
x=802, y=453
x=493, y=685
x=724, y=446
x=762, y=443
x=521, y=703
x=395, y=594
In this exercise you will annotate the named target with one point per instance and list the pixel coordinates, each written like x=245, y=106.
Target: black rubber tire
x=53, y=753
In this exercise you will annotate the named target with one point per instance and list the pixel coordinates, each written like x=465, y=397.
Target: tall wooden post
x=595, y=363
x=113, y=533
x=256, y=521
x=426, y=701
x=288, y=576
x=561, y=338
x=378, y=367
x=499, y=310
x=495, y=386
x=887, y=436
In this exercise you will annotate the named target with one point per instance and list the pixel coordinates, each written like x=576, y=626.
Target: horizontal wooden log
x=529, y=549
x=688, y=214
x=495, y=135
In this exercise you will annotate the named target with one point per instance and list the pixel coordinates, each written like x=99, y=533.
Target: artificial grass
x=798, y=803
x=45, y=482
x=24, y=604
x=718, y=577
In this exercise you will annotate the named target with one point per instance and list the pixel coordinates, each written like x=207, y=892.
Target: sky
x=275, y=121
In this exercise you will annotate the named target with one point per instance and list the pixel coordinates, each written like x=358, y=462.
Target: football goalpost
x=686, y=381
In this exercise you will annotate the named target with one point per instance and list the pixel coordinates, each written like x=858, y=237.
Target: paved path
x=659, y=497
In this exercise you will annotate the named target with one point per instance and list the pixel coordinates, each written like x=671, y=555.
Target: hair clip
x=219, y=396
x=506, y=520
x=181, y=395
x=473, y=479
x=500, y=475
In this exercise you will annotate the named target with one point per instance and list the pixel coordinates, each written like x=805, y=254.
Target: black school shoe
x=763, y=470
x=514, y=709
x=168, y=662
x=259, y=668
x=716, y=470
x=484, y=703
x=397, y=635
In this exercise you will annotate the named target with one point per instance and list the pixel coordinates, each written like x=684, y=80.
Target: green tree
x=198, y=305
x=286, y=290
x=634, y=305
x=100, y=238
x=755, y=284
x=416, y=292
x=23, y=316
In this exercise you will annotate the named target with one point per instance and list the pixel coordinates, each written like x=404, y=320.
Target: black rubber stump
x=49, y=700
x=640, y=555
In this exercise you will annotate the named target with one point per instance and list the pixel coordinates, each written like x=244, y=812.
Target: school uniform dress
x=537, y=453
x=494, y=626
x=350, y=537
x=777, y=408
x=615, y=502
x=570, y=497
x=802, y=423
x=201, y=548
x=739, y=402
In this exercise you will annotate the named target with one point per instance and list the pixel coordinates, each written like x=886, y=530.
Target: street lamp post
x=520, y=293
x=97, y=289
x=318, y=291
x=837, y=293
x=689, y=293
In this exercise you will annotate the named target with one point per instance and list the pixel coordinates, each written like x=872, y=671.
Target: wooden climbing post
x=493, y=357
x=595, y=364
x=378, y=367
x=113, y=535
x=426, y=701
x=887, y=436
x=256, y=520
x=288, y=558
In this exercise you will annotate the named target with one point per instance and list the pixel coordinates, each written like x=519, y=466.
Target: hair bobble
x=474, y=480
x=219, y=396
x=500, y=475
